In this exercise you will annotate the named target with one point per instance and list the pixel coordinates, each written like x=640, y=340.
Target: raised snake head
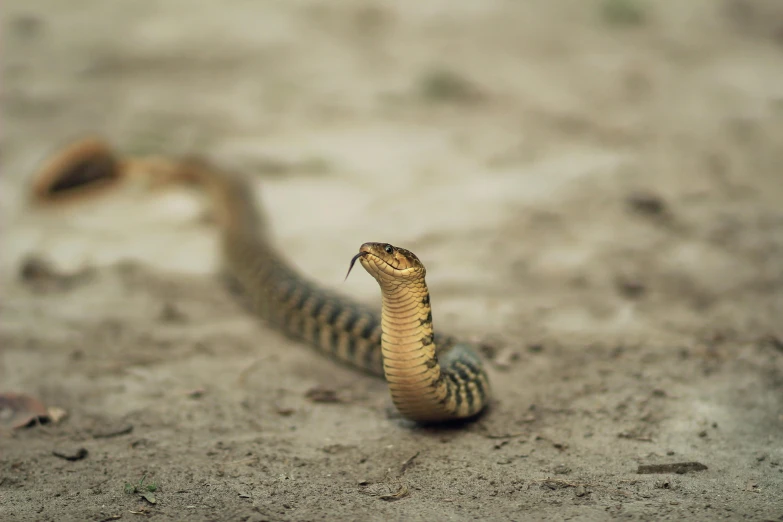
x=387, y=263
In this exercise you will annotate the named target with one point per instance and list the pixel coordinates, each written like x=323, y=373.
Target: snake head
x=384, y=262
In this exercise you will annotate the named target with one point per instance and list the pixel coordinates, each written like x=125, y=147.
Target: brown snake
x=432, y=378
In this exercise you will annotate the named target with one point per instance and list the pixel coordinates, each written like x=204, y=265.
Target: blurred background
x=595, y=187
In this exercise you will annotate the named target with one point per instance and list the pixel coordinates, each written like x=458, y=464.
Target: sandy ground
x=594, y=187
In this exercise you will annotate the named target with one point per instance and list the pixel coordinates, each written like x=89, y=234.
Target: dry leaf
x=319, y=394
x=56, y=414
x=401, y=493
x=18, y=410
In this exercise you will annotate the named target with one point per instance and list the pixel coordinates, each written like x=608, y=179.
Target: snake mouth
x=377, y=264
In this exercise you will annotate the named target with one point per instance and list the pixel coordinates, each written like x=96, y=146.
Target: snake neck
x=410, y=362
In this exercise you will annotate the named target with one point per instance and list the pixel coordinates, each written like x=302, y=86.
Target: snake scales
x=431, y=377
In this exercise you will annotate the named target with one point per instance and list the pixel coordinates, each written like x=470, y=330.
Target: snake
x=432, y=377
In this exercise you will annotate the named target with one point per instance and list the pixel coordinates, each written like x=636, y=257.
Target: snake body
x=431, y=377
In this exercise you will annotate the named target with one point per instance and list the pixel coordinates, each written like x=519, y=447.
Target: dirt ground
x=594, y=186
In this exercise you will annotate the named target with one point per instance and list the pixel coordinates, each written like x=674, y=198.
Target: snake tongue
x=353, y=261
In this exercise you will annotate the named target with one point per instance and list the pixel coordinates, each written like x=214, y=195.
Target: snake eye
x=389, y=249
